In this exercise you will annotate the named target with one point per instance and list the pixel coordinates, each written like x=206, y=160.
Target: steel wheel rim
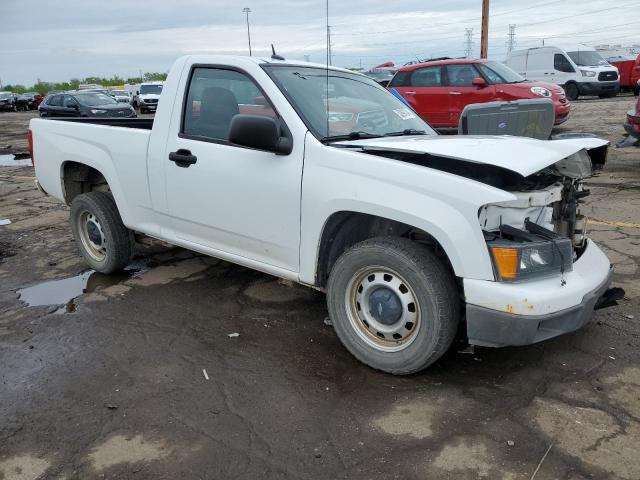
x=365, y=311
x=92, y=236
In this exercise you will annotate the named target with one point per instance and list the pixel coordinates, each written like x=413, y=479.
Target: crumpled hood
x=518, y=154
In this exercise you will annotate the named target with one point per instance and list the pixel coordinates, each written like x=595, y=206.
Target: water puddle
x=65, y=290
x=11, y=161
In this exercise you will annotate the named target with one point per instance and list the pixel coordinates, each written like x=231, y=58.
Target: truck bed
x=140, y=123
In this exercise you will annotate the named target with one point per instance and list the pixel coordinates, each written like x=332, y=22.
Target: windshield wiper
x=350, y=136
x=408, y=131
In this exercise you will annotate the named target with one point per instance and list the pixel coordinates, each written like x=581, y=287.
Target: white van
x=580, y=69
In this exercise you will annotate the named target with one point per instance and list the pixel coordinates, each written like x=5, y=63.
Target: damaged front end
x=542, y=232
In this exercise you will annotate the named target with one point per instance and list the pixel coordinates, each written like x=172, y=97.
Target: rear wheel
x=103, y=240
x=571, y=90
x=394, y=304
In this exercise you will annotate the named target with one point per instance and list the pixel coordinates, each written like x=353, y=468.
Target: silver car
x=121, y=96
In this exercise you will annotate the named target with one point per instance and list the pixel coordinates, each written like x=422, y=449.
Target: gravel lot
x=139, y=377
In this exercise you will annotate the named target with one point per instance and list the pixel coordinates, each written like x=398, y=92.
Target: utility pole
x=329, y=52
x=468, y=44
x=247, y=11
x=512, y=38
x=484, y=36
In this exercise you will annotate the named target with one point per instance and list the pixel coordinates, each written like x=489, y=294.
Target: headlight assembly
x=543, y=92
x=97, y=111
x=588, y=73
x=514, y=261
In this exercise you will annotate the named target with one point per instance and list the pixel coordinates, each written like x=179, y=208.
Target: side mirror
x=259, y=132
x=479, y=82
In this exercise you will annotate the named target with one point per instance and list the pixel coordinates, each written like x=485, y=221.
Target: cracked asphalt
x=190, y=367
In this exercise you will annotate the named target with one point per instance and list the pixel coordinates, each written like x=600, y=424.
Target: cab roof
x=451, y=61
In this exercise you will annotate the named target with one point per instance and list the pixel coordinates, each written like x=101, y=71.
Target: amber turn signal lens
x=506, y=262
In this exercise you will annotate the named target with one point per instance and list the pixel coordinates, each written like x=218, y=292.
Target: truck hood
x=524, y=156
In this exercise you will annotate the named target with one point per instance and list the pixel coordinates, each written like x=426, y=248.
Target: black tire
x=114, y=249
x=430, y=286
x=571, y=91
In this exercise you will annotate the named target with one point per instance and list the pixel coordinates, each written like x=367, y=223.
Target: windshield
x=120, y=93
x=587, y=58
x=95, y=99
x=345, y=105
x=6, y=95
x=150, y=89
x=500, y=73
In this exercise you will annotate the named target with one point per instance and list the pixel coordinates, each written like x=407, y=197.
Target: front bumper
x=500, y=315
x=562, y=114
x=599, y=88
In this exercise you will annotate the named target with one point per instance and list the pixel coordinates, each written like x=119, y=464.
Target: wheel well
x=79, y=178
x=344, y=229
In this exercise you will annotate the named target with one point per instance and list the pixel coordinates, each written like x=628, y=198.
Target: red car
x=439, y=90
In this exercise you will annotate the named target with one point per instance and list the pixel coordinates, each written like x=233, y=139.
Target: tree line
x=43, y=87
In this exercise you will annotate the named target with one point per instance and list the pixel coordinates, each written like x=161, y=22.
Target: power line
x=634, y=4
x=475, y=19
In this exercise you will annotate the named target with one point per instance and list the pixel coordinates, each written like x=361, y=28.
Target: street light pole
x=248, y=11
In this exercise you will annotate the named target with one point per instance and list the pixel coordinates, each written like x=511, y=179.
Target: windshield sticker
x=405, y=113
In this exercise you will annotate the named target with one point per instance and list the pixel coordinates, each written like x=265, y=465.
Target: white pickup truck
x=323, y=177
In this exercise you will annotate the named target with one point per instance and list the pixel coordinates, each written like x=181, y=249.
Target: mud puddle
x=11, y=161
x=65, y=290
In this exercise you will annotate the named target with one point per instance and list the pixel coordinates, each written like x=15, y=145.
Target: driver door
x=463, y=92
x=240, y=201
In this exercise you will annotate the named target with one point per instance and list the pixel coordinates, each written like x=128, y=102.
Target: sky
x=56, y=40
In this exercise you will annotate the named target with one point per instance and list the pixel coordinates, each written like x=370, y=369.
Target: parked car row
x=439, y=89
x=13, y=102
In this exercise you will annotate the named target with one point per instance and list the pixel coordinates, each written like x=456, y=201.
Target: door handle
x=455, y=93
x=183, y=158
x=410, y=93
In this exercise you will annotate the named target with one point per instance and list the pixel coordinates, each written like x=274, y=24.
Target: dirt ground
x=190, y=367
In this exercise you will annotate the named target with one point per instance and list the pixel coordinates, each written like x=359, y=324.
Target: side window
x=427, y=77
x=215, y=96
x=490, y=74
x=55, y=101
x=561, y=64
x=69, y=102
x=461, y=75
x=400, y=79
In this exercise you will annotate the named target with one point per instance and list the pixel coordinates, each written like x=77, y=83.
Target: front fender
x=441, y=204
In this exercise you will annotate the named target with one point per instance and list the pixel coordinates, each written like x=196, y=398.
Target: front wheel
x=104, y=242
x=394, y=304
x=571, y=91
